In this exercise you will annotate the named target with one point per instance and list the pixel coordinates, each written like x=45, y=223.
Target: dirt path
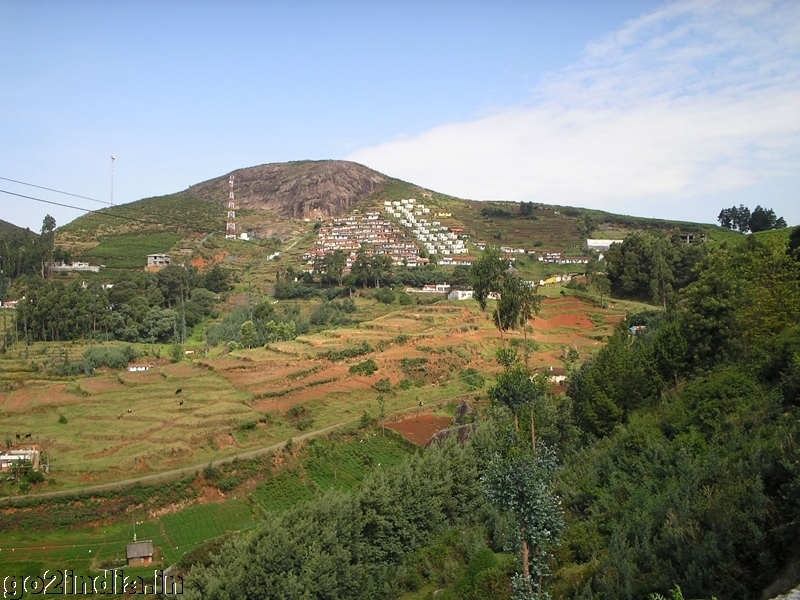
x=175, y=472
x=166, y=475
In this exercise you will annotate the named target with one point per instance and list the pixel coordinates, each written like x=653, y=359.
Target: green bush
x=385, y=295
x=304, y=424
x=367, y=367
x=383, y=386
x=35, y=477
x=472, y=378
x=337, y=355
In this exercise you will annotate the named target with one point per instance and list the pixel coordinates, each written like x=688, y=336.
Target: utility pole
x=113, y=158
x=183, y=316
x=230, y=228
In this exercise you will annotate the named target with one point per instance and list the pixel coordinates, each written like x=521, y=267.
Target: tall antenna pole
x=113, y=158
x=230, y=230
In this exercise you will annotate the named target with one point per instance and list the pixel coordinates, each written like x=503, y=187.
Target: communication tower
x=230, y=230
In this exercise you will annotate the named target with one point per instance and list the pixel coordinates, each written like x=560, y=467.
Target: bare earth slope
x=298, y=190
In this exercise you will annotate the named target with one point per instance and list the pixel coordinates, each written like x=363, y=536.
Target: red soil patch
x=29, y=397
x=210, y=494
x=20, y=399
x=267, y=377
x=145, y=377
x=577, y=320
x=421, y=428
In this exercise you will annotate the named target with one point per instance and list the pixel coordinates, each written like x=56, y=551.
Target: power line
x=88, y=210
x=41, y=187
x=107, y=212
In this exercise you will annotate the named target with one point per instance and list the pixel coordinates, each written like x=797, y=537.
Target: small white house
x=460, y=295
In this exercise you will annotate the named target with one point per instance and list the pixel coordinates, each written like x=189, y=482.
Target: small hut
x=140, y=554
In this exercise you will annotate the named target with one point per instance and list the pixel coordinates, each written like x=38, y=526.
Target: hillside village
x=407, y=220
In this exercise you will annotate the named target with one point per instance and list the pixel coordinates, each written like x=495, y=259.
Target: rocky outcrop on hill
x=462, y=410
x=297, y=190
x=462, y=433
x=792, y=595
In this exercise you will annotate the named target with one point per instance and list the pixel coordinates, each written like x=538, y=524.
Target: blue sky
x=669, y=109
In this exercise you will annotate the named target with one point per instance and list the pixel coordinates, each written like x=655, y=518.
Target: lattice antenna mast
x=230, y=230
x=113, y=158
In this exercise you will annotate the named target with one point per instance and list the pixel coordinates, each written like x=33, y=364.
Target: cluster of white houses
x=62, y=267
x=381, y=236
x=434, y=237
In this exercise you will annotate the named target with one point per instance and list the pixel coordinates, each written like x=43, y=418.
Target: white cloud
x=694, y=99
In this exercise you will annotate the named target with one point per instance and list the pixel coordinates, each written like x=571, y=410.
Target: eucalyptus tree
x=519, y=482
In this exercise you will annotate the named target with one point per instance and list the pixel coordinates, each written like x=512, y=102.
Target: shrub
x=304, y=424
x=366, y=420
x=336, y=355
x=472, y=378
x=298, y=411
x=367, y=367
x=384, y=385
x=385, y=295
x=35, y=477
x=62, y=419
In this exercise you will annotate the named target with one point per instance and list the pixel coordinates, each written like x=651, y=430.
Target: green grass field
x=129, y=251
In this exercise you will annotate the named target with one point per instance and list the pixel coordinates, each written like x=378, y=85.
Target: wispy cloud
x=694, y=99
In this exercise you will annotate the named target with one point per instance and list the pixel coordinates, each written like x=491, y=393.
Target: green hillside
x=551, y=227
x=121, y=236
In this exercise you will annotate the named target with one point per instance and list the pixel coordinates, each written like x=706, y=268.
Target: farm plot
x=131, y=250
x=282, y=492
x=346, y=465
x=342, y=466
x=421, y=428
x=197, y=524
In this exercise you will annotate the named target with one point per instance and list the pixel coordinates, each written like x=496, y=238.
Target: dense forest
x=143, y=307
x=674, y=460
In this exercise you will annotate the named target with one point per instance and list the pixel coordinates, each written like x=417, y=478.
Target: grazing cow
x=180, y=402
x=27, y=436
x=129, y=411
x=119, y=415
x=178, y=391
x=420, y=403
x=18, y=436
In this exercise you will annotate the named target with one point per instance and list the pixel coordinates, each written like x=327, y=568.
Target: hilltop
x=278, y=203
x=296, y=190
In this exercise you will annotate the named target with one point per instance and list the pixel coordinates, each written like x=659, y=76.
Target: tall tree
x=48, y=237
x=381, y=266
x=362, y=268
x=173, y=281
x=487, y=272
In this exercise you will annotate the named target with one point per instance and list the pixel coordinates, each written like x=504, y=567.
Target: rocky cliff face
x=297, y=190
